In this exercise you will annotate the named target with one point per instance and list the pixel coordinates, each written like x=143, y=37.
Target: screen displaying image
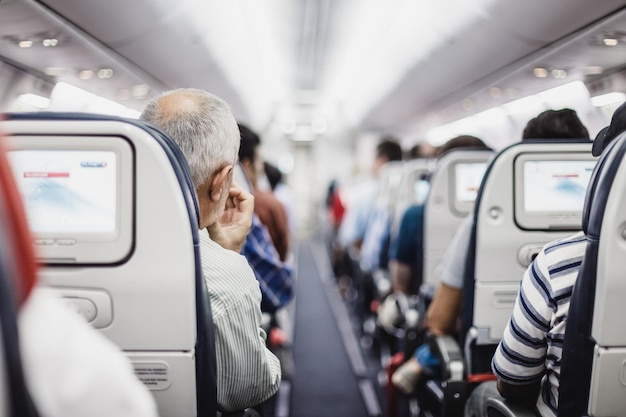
x=468, y=176
x=420, y=189
x=556, y=186
x=67, y=191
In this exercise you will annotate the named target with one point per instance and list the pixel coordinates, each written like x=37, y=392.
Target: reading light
x=593, y=70
x=610, y=41
x=54, y=71
x=540, y=72
x=467, y=104
x=85, y=74
x=50, y=42
x=105, y=73
x=25, y=44
x=495, y=92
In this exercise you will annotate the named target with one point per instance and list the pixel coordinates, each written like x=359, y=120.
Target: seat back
x=115, y=222
x=532, y=194
x=594, y=346
x=453, y=188
x=413, y=189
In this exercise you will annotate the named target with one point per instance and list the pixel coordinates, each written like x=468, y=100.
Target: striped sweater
x=532, y=345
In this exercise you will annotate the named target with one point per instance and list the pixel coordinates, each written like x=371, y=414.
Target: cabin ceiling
x=396, y=66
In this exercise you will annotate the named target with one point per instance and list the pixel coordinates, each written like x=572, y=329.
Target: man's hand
x=231, y=230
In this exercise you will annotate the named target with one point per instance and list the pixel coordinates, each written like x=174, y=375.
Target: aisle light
x=609, y=98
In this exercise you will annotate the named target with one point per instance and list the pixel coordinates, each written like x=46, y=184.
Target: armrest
x=451, y=390
x=499, y=407
x=449, y=353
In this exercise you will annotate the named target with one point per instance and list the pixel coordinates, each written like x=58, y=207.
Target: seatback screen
x=67, y=191
x=550, y=190
x=468, y=176
x=557, y=186
x=78, y=195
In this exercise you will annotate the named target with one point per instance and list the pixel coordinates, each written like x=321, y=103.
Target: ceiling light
x=593, y=70
x=105, y=73
x=50, y=42
x=85, y=74
x=495, y=92
x=610, y=41
x=140, y=91
x=540, y=72
x=54, y=71
x=25, y=44
x=123, y=94
x=511, y=93
x=467, y=104
x=559, y=73
x=609, y=98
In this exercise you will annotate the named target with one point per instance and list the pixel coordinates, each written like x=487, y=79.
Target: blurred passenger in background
x=275, y=276
x=555, y=124
x=421, y=150
x=406, y=249
x=354, y=225
x=282, y=192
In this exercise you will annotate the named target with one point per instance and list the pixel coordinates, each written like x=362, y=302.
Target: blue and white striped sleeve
x=520, y=356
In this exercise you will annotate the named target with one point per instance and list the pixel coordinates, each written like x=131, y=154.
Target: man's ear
x=220, y=182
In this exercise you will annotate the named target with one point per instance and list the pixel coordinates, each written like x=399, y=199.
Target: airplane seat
x=114, y=218
x=454, y=184
x=17, y=278
x=453, y=187
x=594, y=345
x=531, y=194
x=413, y=190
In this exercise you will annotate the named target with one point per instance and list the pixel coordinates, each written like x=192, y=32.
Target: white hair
x=201, y=124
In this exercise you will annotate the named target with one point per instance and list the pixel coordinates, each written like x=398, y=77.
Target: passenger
x=421, y=150
x=270, y=210
x=358, y=212
x=206, y=131
x=555, y=124
x=443, y=311
x=527, y=361
x=282, y=192
x=275, y=277
x=405, y=267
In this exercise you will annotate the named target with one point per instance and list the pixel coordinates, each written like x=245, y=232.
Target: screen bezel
x=89, y=247
x=462, y=207
x=544, y=220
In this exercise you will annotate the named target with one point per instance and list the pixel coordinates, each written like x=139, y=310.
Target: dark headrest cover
x=606, y=135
